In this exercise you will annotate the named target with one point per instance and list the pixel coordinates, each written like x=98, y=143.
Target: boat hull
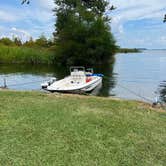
x=87, y=87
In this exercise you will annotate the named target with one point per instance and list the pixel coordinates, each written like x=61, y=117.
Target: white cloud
x=47, y=4
x=132, y=10
x=163, y=39
x=20, y=32
x=15, y=32
x=136, y=10
x=37, y=14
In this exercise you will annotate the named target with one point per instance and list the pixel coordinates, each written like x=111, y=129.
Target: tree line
x=41, y=41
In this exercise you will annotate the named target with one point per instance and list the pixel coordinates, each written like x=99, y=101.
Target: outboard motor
x=48, y=83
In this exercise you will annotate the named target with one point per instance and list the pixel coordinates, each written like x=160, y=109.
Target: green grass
x=46, y=129
x=15, y=54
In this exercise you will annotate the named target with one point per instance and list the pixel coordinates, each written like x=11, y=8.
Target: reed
x=15, y=54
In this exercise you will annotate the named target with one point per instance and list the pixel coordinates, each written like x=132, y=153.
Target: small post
x=157, y=103
x=5, y=84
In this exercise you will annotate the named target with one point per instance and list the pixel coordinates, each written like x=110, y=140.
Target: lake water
x=130, y=76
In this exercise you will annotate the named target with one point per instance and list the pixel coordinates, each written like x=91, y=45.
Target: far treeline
x=42, y=41
x=129, y=50
x=82, y=36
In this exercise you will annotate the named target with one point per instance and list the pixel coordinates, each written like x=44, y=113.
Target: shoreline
x=82, y=96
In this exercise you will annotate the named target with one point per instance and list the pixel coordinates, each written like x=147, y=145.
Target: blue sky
x=135, y=23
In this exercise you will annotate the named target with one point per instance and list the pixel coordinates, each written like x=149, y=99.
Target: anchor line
x=132, y=92
x=136, y=94
x=162, y=104
x=26, y=83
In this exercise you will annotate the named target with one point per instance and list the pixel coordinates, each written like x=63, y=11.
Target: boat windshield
x=89, y=70
x=77, y=68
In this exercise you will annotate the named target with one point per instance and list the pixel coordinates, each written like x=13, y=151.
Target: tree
x=162, y=91
x=41, y=41
x=25, y=1
x=82, y=32
x=50, y=42
x=17, y=41
x=29, y=43
x=164, y=18
x=6, y=41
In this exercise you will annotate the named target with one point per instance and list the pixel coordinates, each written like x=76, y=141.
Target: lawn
x=55, y=129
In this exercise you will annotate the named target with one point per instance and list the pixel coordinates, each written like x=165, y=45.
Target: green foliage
x=6, y=41
x=41, y=41
x=26, y=55
x=29, y=43
x=60, y=130
x=25, y=1
x=32, y=51
x=164, y=18
x=17, y=41
x=82, y=32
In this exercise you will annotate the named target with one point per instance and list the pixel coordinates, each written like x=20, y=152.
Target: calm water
x=129, y=76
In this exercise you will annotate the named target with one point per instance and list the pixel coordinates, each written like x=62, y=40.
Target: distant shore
x=129, y=50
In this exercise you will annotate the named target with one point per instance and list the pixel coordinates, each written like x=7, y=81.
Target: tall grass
x=27, y=55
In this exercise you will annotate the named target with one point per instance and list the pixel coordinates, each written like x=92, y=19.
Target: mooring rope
x=153, y=102
x=25, y=83
x=135, y=93
x=132, y=92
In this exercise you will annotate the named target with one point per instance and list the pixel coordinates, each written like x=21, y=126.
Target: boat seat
x=78, y=76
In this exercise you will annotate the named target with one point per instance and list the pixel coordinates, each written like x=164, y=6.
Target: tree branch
x=25, y=1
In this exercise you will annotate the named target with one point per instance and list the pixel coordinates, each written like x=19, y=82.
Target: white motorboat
x=79, y=80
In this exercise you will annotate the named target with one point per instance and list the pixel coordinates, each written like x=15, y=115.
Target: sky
x=135, y=23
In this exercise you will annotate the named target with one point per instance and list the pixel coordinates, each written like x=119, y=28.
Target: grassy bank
x=15, y=54
x=46, y=129
x=35, y=55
